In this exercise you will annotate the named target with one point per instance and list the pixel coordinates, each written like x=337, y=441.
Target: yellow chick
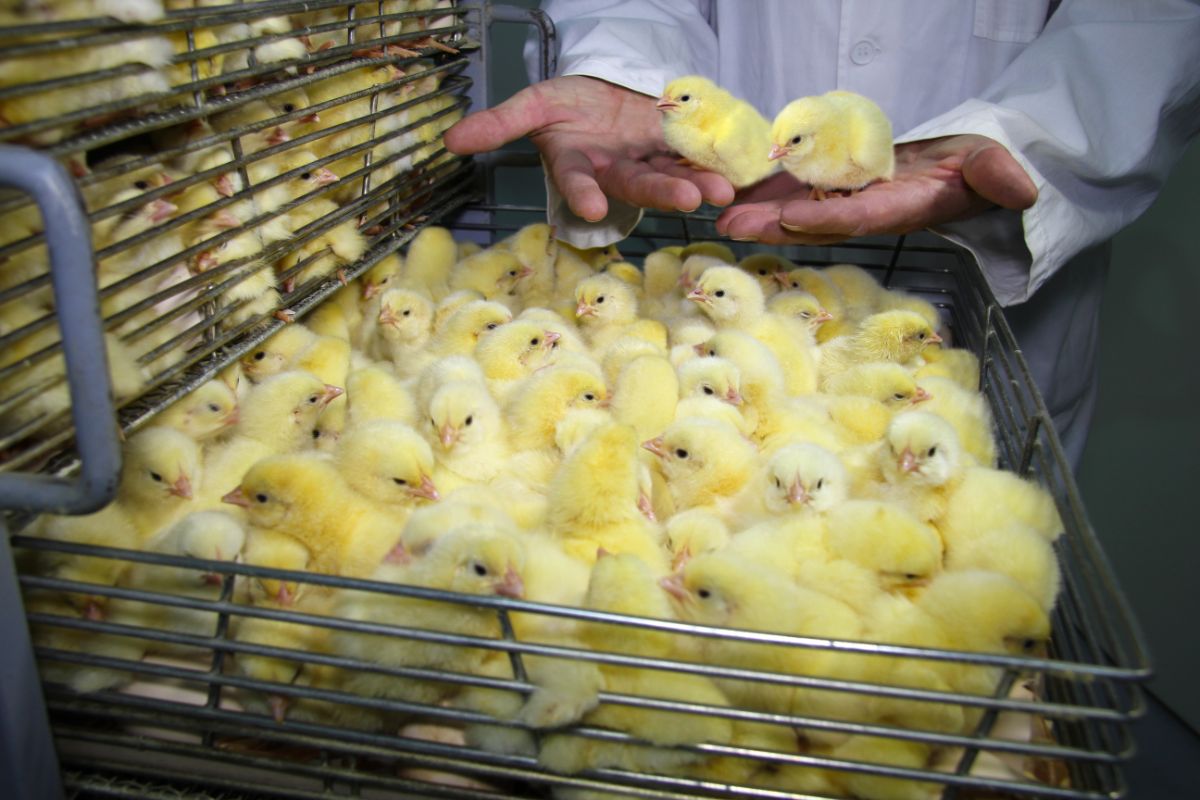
x=624, y=584
x=716, y=131
x=375, y=393
x=595, y=257
x=537, y=250
x=540, y=403
x=432, y=254
x=645, y=395
x=843, y=319
x=693, y=533
x=921, y=462
x=989, y=499
x=467, y=434
x=803, y=477
x=968, y=411
x=389, y=463
x=706, y=463
x=960, y=366
x=1016, y=551
x=607, y=309
x=835, y=141
x=493, y=273
x=802, y=307
x=765, y=267
x=593, y=500
x=863, y=399
x=205, y=412
x=712, y=377
x=896, y=336
x=405, y=325
x=861, y=292
x=513, y=352
x=732, y=299
x=276, y=353
x=460, y=332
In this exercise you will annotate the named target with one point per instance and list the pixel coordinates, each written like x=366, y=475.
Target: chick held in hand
x=833, y=142
x=716, y=131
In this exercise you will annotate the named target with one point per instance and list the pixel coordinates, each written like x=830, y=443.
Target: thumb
x=993, y=174
x=493, y=128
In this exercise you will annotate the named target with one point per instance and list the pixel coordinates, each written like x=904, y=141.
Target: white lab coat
x=1097, y=99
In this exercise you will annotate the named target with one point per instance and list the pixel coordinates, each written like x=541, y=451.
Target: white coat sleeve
x=638, y=44
x=1097, y=110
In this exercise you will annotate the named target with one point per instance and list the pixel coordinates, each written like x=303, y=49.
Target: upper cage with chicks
x=353, y=480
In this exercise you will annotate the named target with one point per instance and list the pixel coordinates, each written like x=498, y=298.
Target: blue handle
x=73, y=274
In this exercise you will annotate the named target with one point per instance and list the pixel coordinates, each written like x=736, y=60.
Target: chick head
x=798, y=128
x=160, y=465
x=478, y=558
x=277, y=491
x=622, y=583
x=987, y=611
x=290, y=401
x=898, y=336
x=625, y=272
x=387, y=461
x=138, y=219
x=378, y=277
x=695, y=265
x=461, y=415
x=516, y=350
x=691, y=100
x=534, y=245
x=404, y=315
x=624, y=351
x=701, y=459
x=274, y=355
x=904, y=552
x=714, y=377
x=922, y=448
x=495, y=272
x=208, y=410
x=727, y=295
x=805, y=476
x=885, y=382
x=754, y=360
x=559, y=389
x=605, y=300
x=800, y=305
x=471, y=503
x=476, y=318
x=765, y=267
x=209, y=535
x=308, y=178
x=712, y=588
x=693, y=533
x=576, y=426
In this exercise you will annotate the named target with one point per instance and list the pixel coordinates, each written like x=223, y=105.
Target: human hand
x=936, y=181
x=598, y=141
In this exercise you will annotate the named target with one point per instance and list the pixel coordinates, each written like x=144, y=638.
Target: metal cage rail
x=1055, y=726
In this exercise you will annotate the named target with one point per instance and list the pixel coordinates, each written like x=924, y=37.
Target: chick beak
x=278, y=136
x=782, y=279
x=224, y=186
x=908, y=461
x=324, y=177
x=204, y=262
x=511, y=586
x=448, y=434
x=673, y=585
x=680, y=560
x=646, y=507
x=933, y=338
x=312, y=118
x=685, y=280
x=921, y=396
x=777, y=152
x=698, y=295
x=161, y=210
x=657, y=446
x=388, y=317
x=231, y=418
x=369, y=290
x=225, y=220
x=797, y=495
x=426, y=491
x=605, y=403
x=665, y=103
x=93, y=611
x=522, y=274
x=584, y=310
x=700, y=349
x=733, y=397
x=822, y=316
x=279, y=707
x=285, y=596
x=330, y=394
x=211, y=579
x=550, y=338
x=236, y=498
x=182, y=488
x=398, y=555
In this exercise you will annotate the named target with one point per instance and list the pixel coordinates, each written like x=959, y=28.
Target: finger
x=574, y=176
x=493, y=128
x=840, y=216
x=715, y=189
x=746, y=220
x=638, y=183
x=996, y=176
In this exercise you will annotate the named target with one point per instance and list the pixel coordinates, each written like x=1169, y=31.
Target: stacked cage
x=239, y=163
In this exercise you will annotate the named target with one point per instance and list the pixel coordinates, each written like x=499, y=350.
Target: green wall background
x=1142, y=463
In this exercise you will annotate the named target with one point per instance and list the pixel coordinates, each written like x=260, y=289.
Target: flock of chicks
x=751, y=445
x=838, y=141
x=176, y=233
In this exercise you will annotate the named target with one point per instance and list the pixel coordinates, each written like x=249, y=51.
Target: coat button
x=863, y=53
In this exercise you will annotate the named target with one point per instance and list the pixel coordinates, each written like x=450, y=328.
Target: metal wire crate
x=206, y=740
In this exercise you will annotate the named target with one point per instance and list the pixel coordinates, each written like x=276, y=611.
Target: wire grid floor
x=1086, y=689
x=180, y=321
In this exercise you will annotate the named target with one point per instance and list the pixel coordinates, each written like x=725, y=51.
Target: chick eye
x=407, y=311
x=1029, y=645
x=316, y=433
x=289, y=108
x=681, y=453
x=685, y=98
x=143, y=185
x=400, y=481
x=932, y=451
x=305, y=176
x=480, y=569
x=468, y=420
x=535, y=342
x=719, y=292
x=704, y=594
x=589, y=397
x=213, y=407
x=778, y=483
x=921, y=335
x=314, y=398
x=260, y=355
x=491, y=326
x=797, y=139
x=154, y=476
x=512, y=273
x=820, y=482
x=898, y=396
x=709, y=390
x=795, y=284
x=806, y=314
x=911, y=576
x=600, y=299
